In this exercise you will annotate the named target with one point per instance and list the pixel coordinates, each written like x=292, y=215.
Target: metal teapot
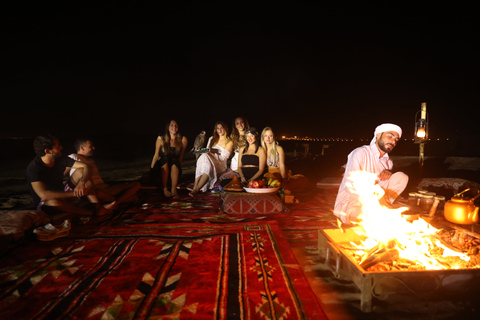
x=460, y=210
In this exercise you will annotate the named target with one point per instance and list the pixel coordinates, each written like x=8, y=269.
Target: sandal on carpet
x=49, y=232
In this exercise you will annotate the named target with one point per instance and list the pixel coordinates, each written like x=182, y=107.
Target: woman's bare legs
x=174, y=176
x=199, y=183
x=165, y=180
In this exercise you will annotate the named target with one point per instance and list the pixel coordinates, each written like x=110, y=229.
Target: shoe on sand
x=48, y=232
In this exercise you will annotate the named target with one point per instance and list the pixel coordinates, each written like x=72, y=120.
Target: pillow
x=251, y=203
x=14, y=223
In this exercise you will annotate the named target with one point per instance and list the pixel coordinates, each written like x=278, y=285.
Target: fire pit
x=399, y=284
x=390, y=254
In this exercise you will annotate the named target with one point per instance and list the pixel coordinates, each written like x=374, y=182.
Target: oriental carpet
x=170, y=259
x=179, y=271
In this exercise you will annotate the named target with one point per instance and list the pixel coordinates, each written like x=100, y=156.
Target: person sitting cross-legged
x=45, y=177
x=110, y=195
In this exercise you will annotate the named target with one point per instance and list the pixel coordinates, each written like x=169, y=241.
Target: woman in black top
x=252, y=158
x=167, y=160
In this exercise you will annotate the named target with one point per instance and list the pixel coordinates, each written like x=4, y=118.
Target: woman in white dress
x=275, y=154
x=214, y=162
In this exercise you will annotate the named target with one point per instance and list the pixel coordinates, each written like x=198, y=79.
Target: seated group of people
x=250, y=156
x=85, y=193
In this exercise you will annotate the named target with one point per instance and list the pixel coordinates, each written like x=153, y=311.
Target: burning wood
x=385, y=255
x=389, y=259
x=392, y=243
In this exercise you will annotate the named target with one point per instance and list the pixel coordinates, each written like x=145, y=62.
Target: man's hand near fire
x=385, y=175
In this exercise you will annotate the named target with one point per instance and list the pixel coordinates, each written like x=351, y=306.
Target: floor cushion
x=15, y=223
x=251, y=203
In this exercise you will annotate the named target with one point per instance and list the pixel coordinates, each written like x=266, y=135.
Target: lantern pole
x=421, y=132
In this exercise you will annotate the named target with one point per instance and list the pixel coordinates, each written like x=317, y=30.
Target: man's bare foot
x=166, y=193
x=111, y=205
x=193, y=193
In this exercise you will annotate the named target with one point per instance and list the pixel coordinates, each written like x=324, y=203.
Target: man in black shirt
x=45, y=177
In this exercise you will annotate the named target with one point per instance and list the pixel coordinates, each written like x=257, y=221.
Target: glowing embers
x=387, y=241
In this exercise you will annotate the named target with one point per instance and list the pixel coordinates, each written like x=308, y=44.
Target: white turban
x=384, y=128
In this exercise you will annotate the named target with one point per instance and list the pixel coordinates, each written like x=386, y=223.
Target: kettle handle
x=458, y=194
x=473, y=199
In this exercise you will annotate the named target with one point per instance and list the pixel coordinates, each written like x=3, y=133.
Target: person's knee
x=400, y=178
x=76, y=176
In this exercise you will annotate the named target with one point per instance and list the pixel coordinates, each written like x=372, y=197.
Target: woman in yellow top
x=275, y=154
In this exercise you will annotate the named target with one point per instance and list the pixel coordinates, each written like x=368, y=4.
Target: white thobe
x=367, y=158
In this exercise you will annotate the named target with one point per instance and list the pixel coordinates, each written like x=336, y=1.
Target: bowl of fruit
x=265, y=185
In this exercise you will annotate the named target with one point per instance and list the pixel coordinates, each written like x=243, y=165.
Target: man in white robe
x=371, y=158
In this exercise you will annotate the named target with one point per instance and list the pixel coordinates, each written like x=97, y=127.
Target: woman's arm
x=240, y=172
x=262, y=162
x=156, y=155
x=184, y=146
x=281, y=162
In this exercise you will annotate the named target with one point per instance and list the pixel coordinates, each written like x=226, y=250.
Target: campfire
x=389, y=242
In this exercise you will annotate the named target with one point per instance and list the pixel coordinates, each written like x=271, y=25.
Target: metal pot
x=461, y=211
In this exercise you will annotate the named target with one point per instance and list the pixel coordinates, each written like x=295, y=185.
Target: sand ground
x=14, y=192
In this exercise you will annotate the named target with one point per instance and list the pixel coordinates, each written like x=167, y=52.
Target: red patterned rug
x=159, y=271
x=314, y=210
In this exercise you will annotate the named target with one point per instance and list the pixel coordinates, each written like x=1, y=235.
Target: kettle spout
x=474, y=215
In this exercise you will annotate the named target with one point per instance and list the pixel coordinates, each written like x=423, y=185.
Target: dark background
x=119, y=70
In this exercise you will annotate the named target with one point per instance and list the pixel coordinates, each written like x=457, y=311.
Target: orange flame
x=382, y=225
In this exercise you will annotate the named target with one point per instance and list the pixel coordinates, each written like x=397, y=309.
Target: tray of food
x=203, y=150
x=263, y=186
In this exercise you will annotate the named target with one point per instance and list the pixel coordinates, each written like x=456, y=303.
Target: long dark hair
x=238, y=141
x=216, y=137
x=166, y=138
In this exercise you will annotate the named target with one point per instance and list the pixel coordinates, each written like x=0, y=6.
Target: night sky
x=316, y=70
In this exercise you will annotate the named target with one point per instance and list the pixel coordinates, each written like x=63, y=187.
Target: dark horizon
x=130, y=147
x=307, y=70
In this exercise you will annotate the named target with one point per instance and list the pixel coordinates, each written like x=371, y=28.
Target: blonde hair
x=274, y=152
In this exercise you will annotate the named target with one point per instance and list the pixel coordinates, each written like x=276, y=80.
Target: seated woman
x=240, y=126
x=214, y=162
x=275, y=154
x=168, y=156
x=252, y=158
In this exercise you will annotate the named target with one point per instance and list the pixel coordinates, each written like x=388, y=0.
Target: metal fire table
x=398, y=286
